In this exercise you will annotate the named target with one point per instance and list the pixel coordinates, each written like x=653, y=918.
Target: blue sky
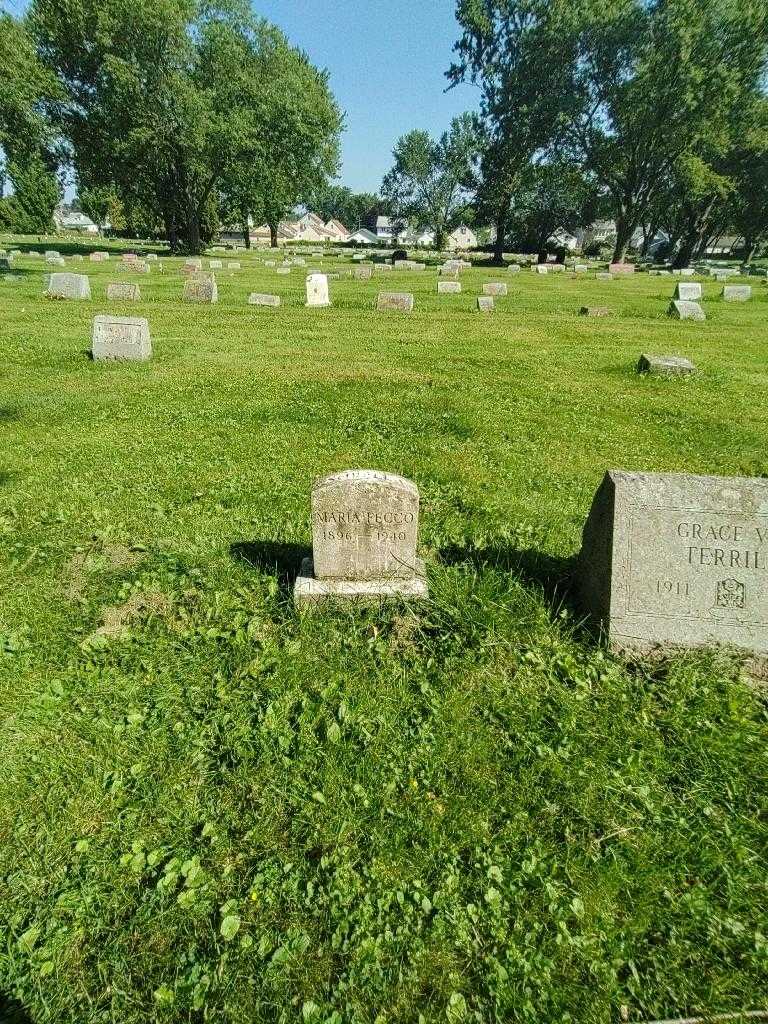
x=386, y=60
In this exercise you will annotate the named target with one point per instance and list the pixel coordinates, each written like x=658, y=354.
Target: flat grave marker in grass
x=364, y=533
x=595, y=311
x=678, y=561
x=263, y=299
x=121, y=337
x=123, y=291
x=68, y=286
x=666, y=366
x=400, y=301
x=682, y=309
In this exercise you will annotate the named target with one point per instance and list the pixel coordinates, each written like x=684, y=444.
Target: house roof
x=333, y=223
x=364, y=233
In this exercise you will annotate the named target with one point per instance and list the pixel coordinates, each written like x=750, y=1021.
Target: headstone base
x=309, y=590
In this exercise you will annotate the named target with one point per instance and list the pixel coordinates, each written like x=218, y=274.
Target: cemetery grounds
x=214, y=809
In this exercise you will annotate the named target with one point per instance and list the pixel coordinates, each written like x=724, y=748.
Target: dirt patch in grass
x=116, y=618
x=116, y=557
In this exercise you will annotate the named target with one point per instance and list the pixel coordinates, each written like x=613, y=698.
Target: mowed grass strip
x=212, y=809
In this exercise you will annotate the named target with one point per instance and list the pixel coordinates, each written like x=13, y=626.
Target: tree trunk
x=273, y=235
x=750, y=248
x=687, y=248
x=246, y=230
x=624, y=231
x=501, y=230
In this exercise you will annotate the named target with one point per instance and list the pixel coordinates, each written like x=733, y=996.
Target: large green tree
x=661, y=85
x=26, y=137
x=166, y=100
x=522, y=54
x=550, y=196
x=428, y=183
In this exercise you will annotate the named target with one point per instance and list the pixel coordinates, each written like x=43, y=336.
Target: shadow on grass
x=554, y=576
x=10, y=413
x=278, y=558
x=12, y=1012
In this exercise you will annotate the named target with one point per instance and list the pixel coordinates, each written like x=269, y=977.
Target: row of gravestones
x=667, y=560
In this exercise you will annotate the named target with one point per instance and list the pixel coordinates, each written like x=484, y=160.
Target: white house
x=385, y=230
x=424, y=238
x=337, y=231
x=363, y=237
x=66, y=219
x=564, y=239
x=462, y=238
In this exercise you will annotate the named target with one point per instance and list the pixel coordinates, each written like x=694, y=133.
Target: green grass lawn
x=214, y=810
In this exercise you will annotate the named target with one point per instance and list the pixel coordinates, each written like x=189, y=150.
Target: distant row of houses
x=384, y=231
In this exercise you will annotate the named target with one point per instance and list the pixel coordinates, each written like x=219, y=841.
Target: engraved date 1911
x=673, y=588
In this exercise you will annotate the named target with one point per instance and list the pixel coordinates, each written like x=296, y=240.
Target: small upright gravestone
x=123, y=290
x=283, y=270
x=215, y=264
x=56, y=261
x=621, y=268
x=363, y=273
x=200, y=289
x=495, y=288
x=688, y=291
x=68, y=286
x=737, y=293
x=401, y=301
x=680, y=309
x=603, y=277
x=485, y=304
x=448, y=287
x=672, y=560
x=121, y=337
x=317, y=290
x=233, y=265
x=5, y=265
x=665, y=366
x=364, y=533
x=513, y=268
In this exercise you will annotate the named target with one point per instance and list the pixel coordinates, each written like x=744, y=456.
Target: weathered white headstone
x=666, y=366
x=215, y=264
x=193, y=263
x=363, y=273
x=485, y=303
x=200, y=289
x=402, y=301
x=56, y=261
x=123, y=291
x=495, y=288
x=671, y=560
x=621, y=268
x=681, y=309
x=448, y=287
x=317, y=290
x=233, y=265
x=737, y=293
x=68, y=286
x=364, y=534
x=283, y=270
x=121, y=337
x=688, y=291
x=262, y=299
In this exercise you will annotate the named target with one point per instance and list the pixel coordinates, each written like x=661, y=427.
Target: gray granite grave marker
x=682, y=310
x=121, y=337
x=123, y=291
x=68, y=286
x=667, y=366
x=402, y=301
x=364, y=534
x=672, y=560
